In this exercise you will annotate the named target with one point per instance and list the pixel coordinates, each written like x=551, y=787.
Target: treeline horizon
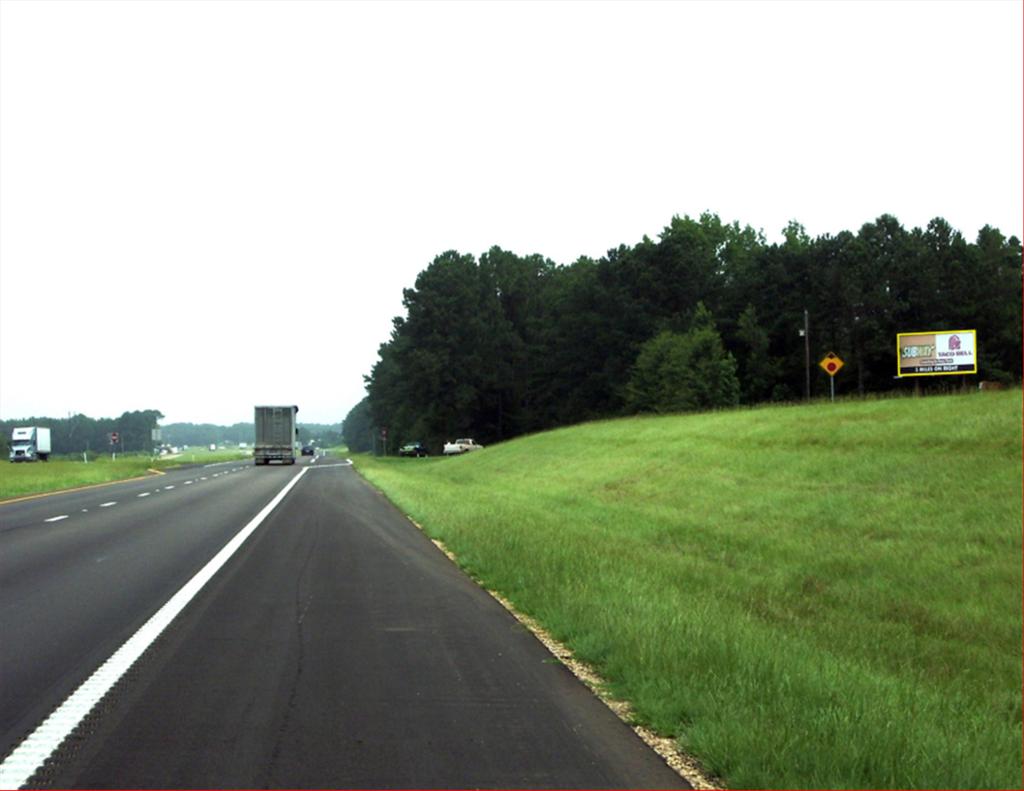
x=80, y=433
x=708, y=315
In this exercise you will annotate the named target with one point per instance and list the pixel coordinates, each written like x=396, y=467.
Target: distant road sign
x=113, y=438
x=831, y=363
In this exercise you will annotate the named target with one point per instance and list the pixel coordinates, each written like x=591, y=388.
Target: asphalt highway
x=336, y=648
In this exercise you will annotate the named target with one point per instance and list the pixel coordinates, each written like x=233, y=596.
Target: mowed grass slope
x=822, y=596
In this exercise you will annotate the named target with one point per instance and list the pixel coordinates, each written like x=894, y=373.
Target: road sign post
x=831, y=364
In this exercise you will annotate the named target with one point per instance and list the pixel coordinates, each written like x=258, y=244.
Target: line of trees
x=178, y=434
x=707, y=315
x=79, y=433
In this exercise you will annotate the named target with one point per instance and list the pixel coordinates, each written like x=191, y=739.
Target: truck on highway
x=277, y=434
x=30, y=443
x=463, y=445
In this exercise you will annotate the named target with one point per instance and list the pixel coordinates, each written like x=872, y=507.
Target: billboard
x=936, y=353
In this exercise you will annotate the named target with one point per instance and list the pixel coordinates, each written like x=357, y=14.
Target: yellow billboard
x=936, y=353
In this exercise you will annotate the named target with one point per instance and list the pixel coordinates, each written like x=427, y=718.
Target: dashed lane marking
x=56, y=518
x=33, y=752
x=77, y=488
x=107, y=505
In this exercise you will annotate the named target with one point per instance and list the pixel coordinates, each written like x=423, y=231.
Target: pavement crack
x=302, y=604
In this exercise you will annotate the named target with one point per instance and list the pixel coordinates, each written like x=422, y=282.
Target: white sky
x=209, y=205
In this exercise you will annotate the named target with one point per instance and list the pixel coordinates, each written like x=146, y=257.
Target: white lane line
x=56, y=518
x=107, y=505
x=168, y=487
x=144, y=494
x=203, y=478
x=188, y=483
x=328, y=466
x=26, y=759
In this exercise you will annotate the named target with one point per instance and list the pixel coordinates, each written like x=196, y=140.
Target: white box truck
x=277, y=432
x=30, y=444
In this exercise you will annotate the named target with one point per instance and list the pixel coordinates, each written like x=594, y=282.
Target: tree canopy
x=509, y=344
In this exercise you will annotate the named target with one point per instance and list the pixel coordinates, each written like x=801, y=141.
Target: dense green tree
x=77, y=433
x=997, y=310
x=358, y=428
x=757, y=370
x=683, y=372
x=443, y=371
x=512, y=344
x=658, y=381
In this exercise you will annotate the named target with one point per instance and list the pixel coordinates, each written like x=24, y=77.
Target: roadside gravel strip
x=684, y=765
x=33, y=752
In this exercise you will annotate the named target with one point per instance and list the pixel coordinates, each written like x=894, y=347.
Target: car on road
x=416, y=449
x=308, y=450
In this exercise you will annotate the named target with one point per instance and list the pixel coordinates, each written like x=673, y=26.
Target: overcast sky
x=209, y=205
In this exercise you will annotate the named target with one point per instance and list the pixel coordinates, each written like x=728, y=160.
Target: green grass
x=824, y=596
x=201, y=455
x=18, y=480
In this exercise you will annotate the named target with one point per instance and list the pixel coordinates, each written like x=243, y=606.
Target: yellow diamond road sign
x=831, y=363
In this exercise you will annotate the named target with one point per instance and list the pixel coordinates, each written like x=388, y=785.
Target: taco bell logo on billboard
x=936, y=353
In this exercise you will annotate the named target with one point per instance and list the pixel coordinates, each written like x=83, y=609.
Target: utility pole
x=806, y=332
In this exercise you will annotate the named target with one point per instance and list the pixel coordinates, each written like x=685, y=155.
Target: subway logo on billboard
x=936, y=353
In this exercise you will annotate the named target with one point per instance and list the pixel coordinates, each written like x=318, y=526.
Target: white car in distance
x=460, y=446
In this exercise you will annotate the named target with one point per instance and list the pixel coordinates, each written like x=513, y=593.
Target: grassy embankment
x=18, y=480
x=825, y=596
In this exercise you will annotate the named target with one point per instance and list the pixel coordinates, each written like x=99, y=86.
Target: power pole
x=807, y=356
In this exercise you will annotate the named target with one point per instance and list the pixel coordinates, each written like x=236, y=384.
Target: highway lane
x=339, y=648
x=72, y=590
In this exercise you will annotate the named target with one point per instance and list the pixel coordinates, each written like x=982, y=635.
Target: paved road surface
x=337, y=648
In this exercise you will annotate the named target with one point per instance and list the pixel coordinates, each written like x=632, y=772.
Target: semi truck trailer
x=30, y=443
x=277, y=433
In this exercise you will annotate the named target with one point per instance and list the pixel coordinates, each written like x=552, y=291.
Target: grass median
x=23, y=479
x=824, y=596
